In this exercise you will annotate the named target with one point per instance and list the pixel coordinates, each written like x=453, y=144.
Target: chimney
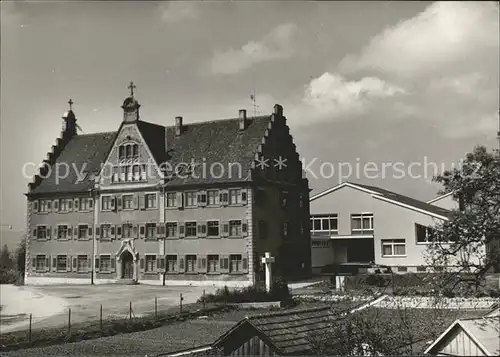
x=178, y=126
x=278, y=110
x=242, y=119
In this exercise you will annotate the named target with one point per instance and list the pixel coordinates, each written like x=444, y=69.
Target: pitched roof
x=440, y=197
x=484, y=331
x=154, y=136
x=408, y=200
x=83, y=153
x=206, y=143
x=218, y=142
x=289, y=332
x=390, y=196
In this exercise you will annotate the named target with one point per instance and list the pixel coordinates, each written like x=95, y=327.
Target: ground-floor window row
x=188, y=229
x=62, y=263
x=149, y=263
x=389, y=247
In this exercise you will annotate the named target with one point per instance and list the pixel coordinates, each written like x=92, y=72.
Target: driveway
x=49, y=305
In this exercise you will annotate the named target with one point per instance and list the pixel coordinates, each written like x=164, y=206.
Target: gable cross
x=132, y=86
x=70, y=102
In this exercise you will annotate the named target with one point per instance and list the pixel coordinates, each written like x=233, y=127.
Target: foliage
x=7, y=271
x=476, y=225
x=373, y=331
x=279, y=292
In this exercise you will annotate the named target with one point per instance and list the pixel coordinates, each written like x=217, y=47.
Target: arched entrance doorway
x=127, y=265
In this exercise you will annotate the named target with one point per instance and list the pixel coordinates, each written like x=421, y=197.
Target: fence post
x=29, y=331
x=130, y=311
x=69, y=322
x=203, y=299
x=100, y=319
x=156, y=308
x=180, y=305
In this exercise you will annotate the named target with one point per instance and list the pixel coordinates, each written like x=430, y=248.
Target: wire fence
x=27, y=329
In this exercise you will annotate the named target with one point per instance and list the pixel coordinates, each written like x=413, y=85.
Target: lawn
x=171, y=337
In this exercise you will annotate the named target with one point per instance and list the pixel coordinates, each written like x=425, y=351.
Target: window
x=172, y=199
x=84, y=204
x=190, y=229
x=64, y=205
x=362, y=223
x=324, y=243
x=263, y=229
x=171, y=229
x=234, y=196
x=128, y=201
x=41, y=232
x=421, y=269
x=105, y=231
x=62, y=232
x=393, y=248
x=425, y=234
x=171, y=263
x=82, y=263
x=402, y=269
x=43, y=206
x=235, y=228
x=285, y=229
x=150, y=230
x=324, y=224
x=128, y=151
x=106, y=203
x=40, y=263
x=83, y=231
x=260, y=197
x=127, y=230
x=190, y=263
x=235, y=263
x=283, y=199
x=136, y=173
x=202, y=198
x=190, y=199
x=61, y=263
x=150, y=263
x=105, y=263
x=212, y=263
x=212, y=229
x=150, y=200
x=213, y=197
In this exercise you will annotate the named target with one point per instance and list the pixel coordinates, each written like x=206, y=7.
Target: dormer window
x=128, y=151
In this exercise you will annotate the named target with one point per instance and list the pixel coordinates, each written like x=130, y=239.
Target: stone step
x=126, y=282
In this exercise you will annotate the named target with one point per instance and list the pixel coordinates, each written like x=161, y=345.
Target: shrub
x=375, y=280
x=279, y=292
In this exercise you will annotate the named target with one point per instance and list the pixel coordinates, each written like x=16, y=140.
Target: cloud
x=446, y=59
x=444, y=35
x=176, y=11
x=276, y=45
x=331, y=94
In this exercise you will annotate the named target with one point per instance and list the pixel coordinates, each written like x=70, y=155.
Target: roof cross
x=70, y=102
x=132, y=86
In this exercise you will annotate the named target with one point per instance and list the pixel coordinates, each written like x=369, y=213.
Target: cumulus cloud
x=176, y=11
x=331, y=94
x=275, y=45
x=444, y=61
x=444, y=35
